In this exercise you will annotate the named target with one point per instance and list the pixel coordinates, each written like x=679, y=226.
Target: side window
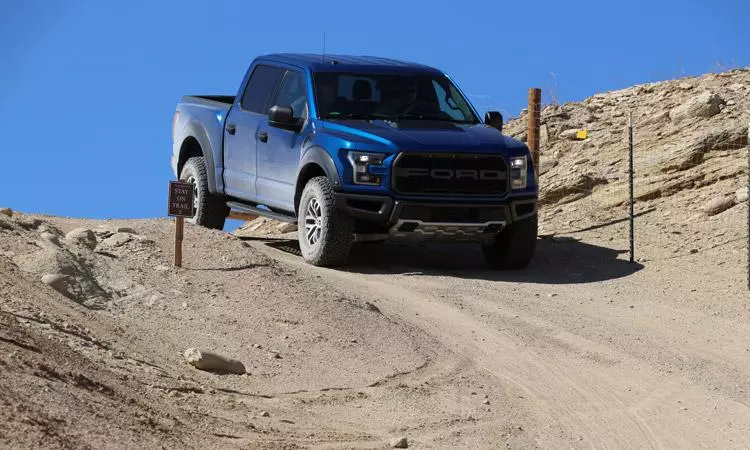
x=292, y=93
x=259, y=88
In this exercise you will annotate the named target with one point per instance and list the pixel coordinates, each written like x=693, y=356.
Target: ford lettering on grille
x=450, y=174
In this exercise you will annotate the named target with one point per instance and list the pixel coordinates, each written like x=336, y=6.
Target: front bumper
x=436, y=220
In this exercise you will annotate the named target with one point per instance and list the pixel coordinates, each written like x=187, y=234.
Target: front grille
x=450, y=174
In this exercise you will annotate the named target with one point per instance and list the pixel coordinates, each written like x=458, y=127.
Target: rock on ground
x=400, y=442
x=213, y=362
x=704, y=105
x=83, y=236
x=117, y=239
x=741, y=195
x=6, y=211
x=719, y=205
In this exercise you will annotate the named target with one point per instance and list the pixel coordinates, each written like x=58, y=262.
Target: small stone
x=719, y=205
x=741, y=195
x=400, y=442
x=287, y=227
x=485, y=402
x=274, y=355
x=125, y=230
x=551, y=295
x=117, y=239
x=6, y=211
x=213, y=362
x=370, y=307
x=161, y=268
x=82, y=236
x=264, y=414
x=184, y=305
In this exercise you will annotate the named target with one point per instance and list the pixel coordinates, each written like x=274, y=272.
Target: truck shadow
x=556, y=262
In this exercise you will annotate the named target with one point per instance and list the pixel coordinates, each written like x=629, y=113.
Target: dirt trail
x=615, y=358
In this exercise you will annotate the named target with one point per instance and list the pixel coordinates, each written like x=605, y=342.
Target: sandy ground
x=582, y=350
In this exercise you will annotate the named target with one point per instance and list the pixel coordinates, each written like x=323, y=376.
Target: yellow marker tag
x=582, y=134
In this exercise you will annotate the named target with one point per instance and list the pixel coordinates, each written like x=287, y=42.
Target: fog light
x=518, y=171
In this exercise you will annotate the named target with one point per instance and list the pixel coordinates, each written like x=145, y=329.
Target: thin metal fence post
x=630, y=174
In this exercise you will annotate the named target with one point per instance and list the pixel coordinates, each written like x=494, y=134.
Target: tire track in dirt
x=611, y=400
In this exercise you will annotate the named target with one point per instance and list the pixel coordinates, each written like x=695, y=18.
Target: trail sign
x=181, y=199
x=180, y=205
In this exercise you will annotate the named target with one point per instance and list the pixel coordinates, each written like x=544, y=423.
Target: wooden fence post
x=532, y=136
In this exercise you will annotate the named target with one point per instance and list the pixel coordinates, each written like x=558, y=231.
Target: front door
x=245, y=119
x=279, y=149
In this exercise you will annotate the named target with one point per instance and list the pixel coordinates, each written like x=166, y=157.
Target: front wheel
x=325, y=234
x=514, y=246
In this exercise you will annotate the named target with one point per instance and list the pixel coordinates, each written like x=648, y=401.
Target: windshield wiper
x=429, y=117
x=356, y=116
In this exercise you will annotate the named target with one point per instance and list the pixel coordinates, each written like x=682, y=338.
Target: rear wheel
x=325, y=234
x=210, y=210
x=514, y=246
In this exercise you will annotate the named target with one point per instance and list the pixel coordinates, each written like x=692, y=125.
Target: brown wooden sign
x=181, y=199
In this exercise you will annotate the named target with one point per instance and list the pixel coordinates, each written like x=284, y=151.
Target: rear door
x=278, y=148
x=247, y=116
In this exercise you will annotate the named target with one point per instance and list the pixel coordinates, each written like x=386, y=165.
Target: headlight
x=361, y=163
x=518, y=170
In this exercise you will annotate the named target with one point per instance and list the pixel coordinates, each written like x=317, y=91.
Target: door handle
x=263, y=136
x=231, y=128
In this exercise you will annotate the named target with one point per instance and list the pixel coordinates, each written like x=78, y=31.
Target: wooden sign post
x=181, y=200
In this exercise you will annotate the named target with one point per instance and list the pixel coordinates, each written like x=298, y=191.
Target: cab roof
x=348, y=63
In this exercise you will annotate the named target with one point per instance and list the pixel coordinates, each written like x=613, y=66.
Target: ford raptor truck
x=354, y=148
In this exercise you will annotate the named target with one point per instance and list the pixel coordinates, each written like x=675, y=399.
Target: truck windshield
x=390, y=97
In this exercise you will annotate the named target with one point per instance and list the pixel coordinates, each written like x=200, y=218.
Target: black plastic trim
x=517, y=203
x=250, y=209
x=380, y=216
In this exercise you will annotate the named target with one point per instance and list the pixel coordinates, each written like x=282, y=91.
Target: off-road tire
x=211, y=210
x=335, y=236
x=514, y=246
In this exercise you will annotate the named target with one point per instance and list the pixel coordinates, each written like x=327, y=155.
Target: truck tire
x=210, y=210
x=325, y=234
x=514, y=246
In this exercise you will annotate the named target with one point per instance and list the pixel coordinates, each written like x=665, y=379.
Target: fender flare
x=316, y=156
x=195, y=130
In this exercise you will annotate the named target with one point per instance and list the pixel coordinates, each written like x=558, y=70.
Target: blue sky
x=88, y=88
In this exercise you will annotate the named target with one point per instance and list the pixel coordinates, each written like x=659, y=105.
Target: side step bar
x=249, y=209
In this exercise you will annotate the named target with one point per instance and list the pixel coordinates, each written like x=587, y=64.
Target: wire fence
x=687, y=142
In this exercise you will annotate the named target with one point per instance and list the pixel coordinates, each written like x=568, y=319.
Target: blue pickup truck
x=354, y=148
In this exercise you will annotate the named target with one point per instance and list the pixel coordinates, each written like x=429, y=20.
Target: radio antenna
x=324, y=46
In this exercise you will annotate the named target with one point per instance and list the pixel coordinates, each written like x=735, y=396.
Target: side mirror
x=282, y=117
x=494, y=119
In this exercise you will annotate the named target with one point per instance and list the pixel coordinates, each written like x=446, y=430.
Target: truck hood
x=422, y=135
